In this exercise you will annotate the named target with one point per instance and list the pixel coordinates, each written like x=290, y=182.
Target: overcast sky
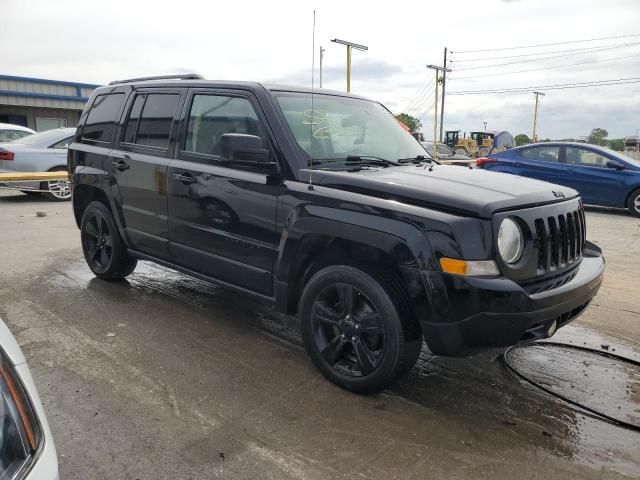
x=95, y=42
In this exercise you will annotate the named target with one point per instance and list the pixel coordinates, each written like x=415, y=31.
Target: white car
x=27, y=451
x=41, y=152
x=9, y=132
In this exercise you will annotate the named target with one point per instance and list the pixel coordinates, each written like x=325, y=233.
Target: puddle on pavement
x=478, y=390
x=608, y=385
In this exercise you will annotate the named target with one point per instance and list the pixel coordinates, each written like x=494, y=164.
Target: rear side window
x=544, y=154
x=150, y=119
x=63, y=143
x=101, y=122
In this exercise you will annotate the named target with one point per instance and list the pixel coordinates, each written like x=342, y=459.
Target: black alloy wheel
x=348, y=330
x=105, y=252
x=98, y=242
x=358, y=326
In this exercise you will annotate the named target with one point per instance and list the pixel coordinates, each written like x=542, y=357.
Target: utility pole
x=485, y=126
x=349, y=46
x=435, y=107
x=444, y=85
x=322, y=50
x=535, y=116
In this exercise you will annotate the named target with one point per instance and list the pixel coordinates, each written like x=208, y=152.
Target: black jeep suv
x=322, y=205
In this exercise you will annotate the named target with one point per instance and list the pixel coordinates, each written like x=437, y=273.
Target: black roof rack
x=179, y=76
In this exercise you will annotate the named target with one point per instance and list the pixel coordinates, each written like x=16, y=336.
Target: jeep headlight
x=510, y=241
x=20, y=434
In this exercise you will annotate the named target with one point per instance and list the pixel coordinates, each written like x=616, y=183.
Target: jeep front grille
x=560, y=240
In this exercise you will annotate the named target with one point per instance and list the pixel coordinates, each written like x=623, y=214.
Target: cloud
x=261, y=41
x=365, y=69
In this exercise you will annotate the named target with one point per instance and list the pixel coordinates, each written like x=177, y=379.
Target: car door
x=139, y=164
x=221, y=215
x=589, y=174
x=541, y=162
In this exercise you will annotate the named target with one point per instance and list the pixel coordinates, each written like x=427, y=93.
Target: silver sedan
x=41, y=152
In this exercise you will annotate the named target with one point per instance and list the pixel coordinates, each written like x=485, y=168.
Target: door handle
x=120, y=165
x=184, y=177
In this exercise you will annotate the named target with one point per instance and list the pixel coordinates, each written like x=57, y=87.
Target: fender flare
x=404, y=242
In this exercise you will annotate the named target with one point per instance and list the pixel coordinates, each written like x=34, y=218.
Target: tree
x=616, y=144
x=598, y=136
x=410, y=121
x=522, y=139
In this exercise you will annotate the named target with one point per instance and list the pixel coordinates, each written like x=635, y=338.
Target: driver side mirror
x=615, y=165
x=247, y=150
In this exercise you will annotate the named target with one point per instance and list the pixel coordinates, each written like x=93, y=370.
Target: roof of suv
x=231, y=84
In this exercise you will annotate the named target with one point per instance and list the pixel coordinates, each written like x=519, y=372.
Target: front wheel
x=103, y=248
x=357, y=328
x=634, y=203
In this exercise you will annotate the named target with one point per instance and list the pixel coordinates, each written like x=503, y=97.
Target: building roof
x=40, y=92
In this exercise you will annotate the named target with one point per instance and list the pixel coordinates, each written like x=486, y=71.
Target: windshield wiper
x=417, y=159
x=369, y=160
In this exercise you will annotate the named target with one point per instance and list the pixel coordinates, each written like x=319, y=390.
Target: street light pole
x=444, y=86
x=535, y=116
x=435, y=107
x=349, y=46
x=322, y=50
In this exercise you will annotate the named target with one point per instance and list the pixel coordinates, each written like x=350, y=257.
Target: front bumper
x=470, y=313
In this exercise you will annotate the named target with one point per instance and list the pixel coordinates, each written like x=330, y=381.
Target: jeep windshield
x=341, y=131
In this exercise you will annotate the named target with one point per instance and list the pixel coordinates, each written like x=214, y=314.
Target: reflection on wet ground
x=449, y=402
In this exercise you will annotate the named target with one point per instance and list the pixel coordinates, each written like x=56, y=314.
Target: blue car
x=602, y=176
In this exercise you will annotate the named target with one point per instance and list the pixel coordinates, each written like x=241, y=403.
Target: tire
x=358, y=327
x=103, y=248
x=461, y=151
x=483, y=152
x=57, y=190
x=634, y=203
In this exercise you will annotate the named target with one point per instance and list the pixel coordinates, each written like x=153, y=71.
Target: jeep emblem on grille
x=558, y=194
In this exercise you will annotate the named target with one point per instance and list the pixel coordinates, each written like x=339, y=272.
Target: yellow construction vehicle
x=464, y=145
x=479, y=144
x=484, y=142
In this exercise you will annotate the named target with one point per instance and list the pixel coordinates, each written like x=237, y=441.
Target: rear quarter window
x=101, y=121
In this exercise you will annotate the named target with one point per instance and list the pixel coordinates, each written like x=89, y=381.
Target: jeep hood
x=455, y=189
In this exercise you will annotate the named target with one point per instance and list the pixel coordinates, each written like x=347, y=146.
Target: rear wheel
x=57, y=190
x=634, y=203
x=461, y=151
x=104, y=250
x=358, y=328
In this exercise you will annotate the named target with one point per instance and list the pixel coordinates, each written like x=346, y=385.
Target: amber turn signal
x=477, y=268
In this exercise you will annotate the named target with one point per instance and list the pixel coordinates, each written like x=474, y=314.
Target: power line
x=543, y=87
x=422, y=106
x=561, y=86
x=538, y=53
x=598, y=49
x=419, y=101
x=548, y=44
x=549, y=68
x=420, y=91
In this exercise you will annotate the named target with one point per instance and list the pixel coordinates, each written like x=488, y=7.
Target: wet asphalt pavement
x=164, y=376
